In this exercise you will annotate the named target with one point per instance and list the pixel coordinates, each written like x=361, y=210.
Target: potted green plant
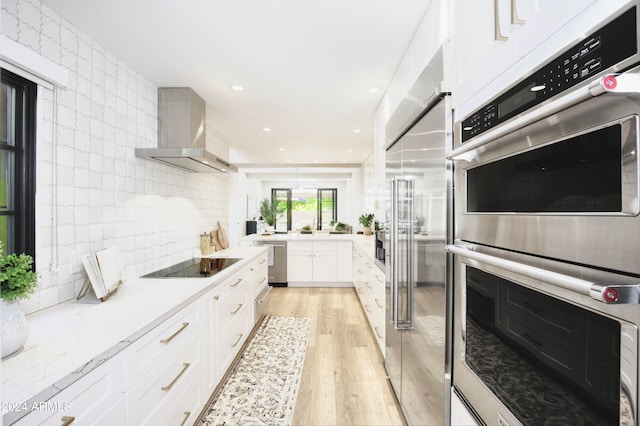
x=366, y=221
x=18, y=280
x=268, y=212
x=341, y=227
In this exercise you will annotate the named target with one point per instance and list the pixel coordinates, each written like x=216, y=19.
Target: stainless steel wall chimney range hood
x=181, y=133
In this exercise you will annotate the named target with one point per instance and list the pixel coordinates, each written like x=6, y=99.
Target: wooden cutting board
x=222, y=237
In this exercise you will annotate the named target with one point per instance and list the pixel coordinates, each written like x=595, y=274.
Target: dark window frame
x=24, y=150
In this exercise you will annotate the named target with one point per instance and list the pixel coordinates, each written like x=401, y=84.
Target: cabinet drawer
x=85, y=400
x=231, y=284
x=299, y=246
x=229, y=342
x=152, y=348
x=163, y=384
x=186, y=408
x=234, y=306
x=260, y=279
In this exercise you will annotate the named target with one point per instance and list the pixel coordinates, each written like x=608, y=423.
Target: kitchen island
x=319, y=259
x=94, y=358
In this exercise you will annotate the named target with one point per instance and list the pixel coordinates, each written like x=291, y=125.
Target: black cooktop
x=194, y=268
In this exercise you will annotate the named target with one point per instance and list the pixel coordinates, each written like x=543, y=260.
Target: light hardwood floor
x=343, y=379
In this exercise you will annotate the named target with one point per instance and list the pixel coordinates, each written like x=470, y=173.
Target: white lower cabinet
x=166, y=376
x=368, y=281
x=319, y=262
x=95, y=398
x=231, y=313
x=146, y=402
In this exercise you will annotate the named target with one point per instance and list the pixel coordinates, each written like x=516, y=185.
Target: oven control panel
x=607, y=46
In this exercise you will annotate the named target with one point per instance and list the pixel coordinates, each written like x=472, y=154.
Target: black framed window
x=281, y=197
x=301, y=207
x=327, y=207
x=17, y=163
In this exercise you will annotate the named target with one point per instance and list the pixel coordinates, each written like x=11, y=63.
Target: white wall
x=92, y=192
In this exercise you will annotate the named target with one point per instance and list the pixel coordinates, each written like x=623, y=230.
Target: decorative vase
x=14, y=327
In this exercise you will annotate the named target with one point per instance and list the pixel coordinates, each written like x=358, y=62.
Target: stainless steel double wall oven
x=547, y=250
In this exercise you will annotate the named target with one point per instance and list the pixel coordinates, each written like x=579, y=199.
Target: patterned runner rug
x=262, y=387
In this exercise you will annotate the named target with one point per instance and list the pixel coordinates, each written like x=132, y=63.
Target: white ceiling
x=306, y=65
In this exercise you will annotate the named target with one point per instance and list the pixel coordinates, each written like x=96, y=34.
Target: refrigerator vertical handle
x=410, y=254
x=393, y=255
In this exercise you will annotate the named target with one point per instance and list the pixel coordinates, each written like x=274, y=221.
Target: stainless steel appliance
x=546, y=257
x=417, y=266
x=277, y=259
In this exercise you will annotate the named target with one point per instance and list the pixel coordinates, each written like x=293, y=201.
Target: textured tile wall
x=92, y=192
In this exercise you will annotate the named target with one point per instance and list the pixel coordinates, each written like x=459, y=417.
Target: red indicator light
x=610, y=82
x=610, y=295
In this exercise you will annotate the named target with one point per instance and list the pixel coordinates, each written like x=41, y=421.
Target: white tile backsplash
x=92, y=192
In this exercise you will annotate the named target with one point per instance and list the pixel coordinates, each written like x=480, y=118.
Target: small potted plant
x=366, y=221
x=18, y=280
x=268, y=212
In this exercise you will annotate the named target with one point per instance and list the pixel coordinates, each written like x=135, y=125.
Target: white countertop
x=69, y=340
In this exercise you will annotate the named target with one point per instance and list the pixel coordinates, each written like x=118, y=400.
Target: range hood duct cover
x=181, y=133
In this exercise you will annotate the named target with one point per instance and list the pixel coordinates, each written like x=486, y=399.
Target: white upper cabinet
x=492, y=35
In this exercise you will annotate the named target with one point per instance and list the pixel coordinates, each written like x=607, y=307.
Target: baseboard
x=342, y=284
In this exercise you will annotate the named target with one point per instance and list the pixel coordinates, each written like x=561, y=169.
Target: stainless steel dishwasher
x=277, y=256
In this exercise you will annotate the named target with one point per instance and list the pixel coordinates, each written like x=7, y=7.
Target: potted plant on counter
x=366, y=221
x=18, y=280
x=268, y=212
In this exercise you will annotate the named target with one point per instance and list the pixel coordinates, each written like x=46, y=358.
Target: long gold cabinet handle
x=173, y=382
x=67, y=420
x=187, y=414
x=237, y=341
x=515, y=19
x=237, y=282
x=498, y=36
x=170, y=338
x=237, y=309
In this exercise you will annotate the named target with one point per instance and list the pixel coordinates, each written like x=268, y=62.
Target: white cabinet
x=318, y=262
x=345, y=265
x=163, y=363
x=95, y=399
x=368, y=281
x=233, y=320
x=259, y=271
x=492, y=35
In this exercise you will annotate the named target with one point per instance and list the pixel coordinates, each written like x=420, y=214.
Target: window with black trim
x=17, y=163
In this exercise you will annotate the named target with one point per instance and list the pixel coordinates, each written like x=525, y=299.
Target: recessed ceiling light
x=237, y=88
x=266, y=129
x=349, y=150
x=356, y=130
x=373, y=90
x=281, y=149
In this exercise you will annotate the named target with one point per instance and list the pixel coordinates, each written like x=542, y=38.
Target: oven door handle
x=609, y=83
x=629, y=294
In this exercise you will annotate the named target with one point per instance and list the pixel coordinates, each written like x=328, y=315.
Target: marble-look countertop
x=71, y=339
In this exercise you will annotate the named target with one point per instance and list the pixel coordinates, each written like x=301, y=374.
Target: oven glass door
x=581, y=174
x=524, y=355
x=545, y=359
